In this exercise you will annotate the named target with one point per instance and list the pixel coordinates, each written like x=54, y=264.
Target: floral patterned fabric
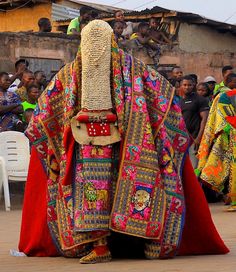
x=217, y=152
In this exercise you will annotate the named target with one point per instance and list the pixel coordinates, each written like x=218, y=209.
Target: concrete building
x=23, y=15
x=203, y=46
x=44, y=51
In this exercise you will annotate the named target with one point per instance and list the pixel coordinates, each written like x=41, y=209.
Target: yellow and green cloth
x=217, y=152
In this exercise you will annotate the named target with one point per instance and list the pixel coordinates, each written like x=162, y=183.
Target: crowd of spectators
x=145, y=35
x=20, y=91
x=196, y=99
x=19, y=94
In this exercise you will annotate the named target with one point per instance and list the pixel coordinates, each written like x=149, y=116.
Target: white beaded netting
x=96, y=65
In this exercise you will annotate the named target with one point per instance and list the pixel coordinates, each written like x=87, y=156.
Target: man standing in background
x=226, y=70
x=44, y=25
x=195, y=112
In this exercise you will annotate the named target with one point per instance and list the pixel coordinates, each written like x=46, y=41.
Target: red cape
x=199, y=235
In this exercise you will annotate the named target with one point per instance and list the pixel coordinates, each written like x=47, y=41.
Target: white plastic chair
x=14, y=161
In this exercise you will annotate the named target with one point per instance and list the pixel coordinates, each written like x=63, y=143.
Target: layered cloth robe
x=217, y=152
x=143, y=194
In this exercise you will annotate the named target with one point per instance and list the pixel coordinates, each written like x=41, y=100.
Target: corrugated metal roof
x=60, y=12
x=188, y=17
x=106, y=8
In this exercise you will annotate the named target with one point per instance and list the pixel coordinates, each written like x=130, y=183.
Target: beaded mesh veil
x=96, y=66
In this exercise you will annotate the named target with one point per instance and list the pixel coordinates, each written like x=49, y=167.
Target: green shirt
x=73, y=24
x=217, y=86
x=26, y=105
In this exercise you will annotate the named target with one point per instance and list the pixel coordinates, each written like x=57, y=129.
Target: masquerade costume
x=125, y=174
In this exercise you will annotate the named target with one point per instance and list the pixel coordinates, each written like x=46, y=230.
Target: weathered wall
x=24, y=19
x=43, y=46
x=53, y=46
x=200, y=63
x=202, y=51
x=198, y=38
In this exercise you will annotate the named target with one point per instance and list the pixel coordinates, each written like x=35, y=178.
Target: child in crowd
x=32, y=97
x=153, y=23
x=144, y=40
x=30, y=104
x=118, y=28
x=10, y=106
x=157, y=35
x=143, y=34
x=27, y=115
x=127, y=26
x=26, y=80
x=202, y=89
x=40, y=80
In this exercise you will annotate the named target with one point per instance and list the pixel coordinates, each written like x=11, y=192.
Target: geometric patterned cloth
x=133, y=187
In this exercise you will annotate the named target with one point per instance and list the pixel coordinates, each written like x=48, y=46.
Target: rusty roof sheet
x=188, y=17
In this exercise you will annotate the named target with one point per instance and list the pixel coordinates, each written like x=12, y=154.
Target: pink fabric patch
x=89, y=151
x=139, y=104
x=176, y=205
x=133, y=153
x=142, y=215
x=129, y=173
x=138, y=84
x=119, y=221
x=180, y=142
x=153, y=229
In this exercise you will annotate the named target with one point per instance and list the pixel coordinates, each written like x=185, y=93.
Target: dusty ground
x=9, y=235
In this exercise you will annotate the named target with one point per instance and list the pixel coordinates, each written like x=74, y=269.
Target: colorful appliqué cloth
x=89, y=193
x=217, y=152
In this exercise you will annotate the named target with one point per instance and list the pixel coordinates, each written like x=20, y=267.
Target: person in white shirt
x=20, y=66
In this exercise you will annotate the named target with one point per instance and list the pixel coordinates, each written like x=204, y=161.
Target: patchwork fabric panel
x=92, y=191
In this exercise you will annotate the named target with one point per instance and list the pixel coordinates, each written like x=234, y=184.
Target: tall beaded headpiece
x=96, y=66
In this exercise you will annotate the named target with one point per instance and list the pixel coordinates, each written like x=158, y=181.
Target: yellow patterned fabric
x=22, y=93
x=217, y=152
